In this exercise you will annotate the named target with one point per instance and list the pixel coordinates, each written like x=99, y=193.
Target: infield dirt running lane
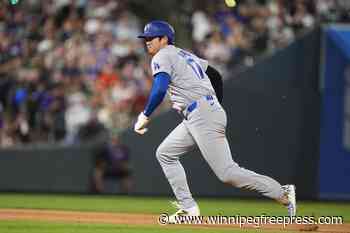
x=145, y=219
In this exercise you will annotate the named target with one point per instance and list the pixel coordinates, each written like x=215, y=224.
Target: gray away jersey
x=189, y=82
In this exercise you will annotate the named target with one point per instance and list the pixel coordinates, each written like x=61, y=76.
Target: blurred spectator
x=300, y=17
x=78, y=113
x=260, y=37
x=92, y=131
x=217, y=51
x=112, y=162
x=107, y=79
x=56, y=114
x=280, y=34
x=21, y=128
x=201, y=26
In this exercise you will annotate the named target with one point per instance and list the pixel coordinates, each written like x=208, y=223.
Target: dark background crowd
x=74, y=70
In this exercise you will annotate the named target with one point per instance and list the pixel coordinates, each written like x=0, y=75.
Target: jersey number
x=193, y=64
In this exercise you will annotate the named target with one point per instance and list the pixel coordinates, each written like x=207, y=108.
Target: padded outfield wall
x=334, y=166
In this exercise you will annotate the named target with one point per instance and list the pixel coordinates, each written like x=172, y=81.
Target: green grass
x=53, y=227
x=209, y=206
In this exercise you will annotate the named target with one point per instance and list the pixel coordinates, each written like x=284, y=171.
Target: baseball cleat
x=289, y=190
x=174, y=218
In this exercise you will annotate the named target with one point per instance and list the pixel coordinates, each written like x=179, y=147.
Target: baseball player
x=195, y=90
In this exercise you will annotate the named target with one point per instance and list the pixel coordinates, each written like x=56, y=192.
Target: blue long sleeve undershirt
x=159, y=88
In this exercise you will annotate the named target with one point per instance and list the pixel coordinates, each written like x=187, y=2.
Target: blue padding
x=342, y=39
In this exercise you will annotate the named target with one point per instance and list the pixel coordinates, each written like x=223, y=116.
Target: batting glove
x=142, y=121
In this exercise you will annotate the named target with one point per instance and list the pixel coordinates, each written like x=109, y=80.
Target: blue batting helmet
x=159, y=28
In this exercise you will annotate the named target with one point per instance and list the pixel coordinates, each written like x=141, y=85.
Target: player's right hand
x=142, y=121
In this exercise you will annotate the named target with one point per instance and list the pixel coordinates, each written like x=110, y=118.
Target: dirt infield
x=144, y=219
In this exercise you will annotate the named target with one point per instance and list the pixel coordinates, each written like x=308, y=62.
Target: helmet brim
x=141, y=35
x=150, y=35
x=145, y=35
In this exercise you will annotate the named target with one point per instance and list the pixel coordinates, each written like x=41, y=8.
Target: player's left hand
x=142, y=121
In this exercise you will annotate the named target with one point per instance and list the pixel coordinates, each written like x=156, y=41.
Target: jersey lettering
x=156, y=66
x=192, y=63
